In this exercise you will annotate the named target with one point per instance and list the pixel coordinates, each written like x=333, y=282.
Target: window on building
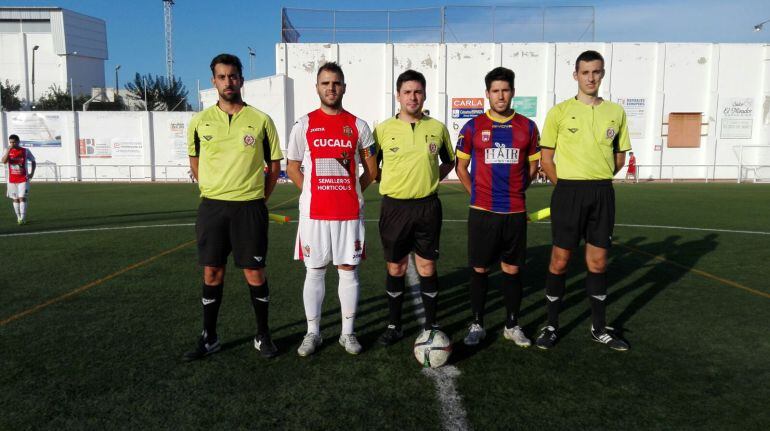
x=10, y=26
x=36, y=26
x=25, y=26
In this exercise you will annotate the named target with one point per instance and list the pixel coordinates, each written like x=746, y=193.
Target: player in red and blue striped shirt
x=501, y=149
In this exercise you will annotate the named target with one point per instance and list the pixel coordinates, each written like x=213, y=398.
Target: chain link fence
x=449, y=24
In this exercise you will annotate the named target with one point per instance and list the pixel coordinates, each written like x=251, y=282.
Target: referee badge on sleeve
x=610, y=133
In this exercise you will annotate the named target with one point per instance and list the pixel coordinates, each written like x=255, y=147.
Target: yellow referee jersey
x=410, y=156
x=585, y=138
x=232, y=152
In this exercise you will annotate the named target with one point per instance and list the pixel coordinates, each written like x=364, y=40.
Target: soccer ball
x=432, y=348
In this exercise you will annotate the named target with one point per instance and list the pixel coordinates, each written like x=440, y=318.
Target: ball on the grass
x=432, y=348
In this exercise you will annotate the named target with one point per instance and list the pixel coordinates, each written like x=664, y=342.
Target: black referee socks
x=260, y=300
x=211, y=298
x=596, y=288
x=394, y=287
x=429, y=290
x=554, y=292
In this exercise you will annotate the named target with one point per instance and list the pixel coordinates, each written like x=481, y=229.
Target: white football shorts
x=322, y=241
x=17, y=190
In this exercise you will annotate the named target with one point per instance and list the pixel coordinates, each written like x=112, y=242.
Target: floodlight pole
x=144, y=84
x=117, y=89
x=34, y=48
x=198, y=84
x=252, y=58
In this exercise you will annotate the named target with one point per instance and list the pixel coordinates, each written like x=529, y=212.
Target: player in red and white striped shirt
x=330, y=143
x=17, y=159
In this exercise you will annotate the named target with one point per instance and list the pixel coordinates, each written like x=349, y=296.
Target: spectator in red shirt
x=631, y=172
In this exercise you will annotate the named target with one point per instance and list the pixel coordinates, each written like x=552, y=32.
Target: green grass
x=109, y=357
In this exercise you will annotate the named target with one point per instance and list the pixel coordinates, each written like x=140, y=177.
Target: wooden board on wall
x=684, y=129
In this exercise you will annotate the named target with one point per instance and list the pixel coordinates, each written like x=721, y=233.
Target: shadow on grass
x=371, y=316
x=454, y=305
x=660, y=275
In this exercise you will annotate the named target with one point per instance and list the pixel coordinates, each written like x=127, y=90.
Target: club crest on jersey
x=486, y=135
x=610, y=133
x=306, y=250
x=344, y=160
x=249, y=140
x=347, y=131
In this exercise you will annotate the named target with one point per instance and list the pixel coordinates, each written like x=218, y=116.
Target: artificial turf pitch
x=93, y=323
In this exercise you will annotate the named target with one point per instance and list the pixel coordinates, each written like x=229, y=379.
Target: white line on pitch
x=652, y=226
x=150, y=226
x=453, y=416
x=91, y=229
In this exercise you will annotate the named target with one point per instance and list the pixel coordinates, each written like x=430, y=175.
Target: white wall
x=16, y=62
x=657, y=78
x=728, y=83
x=103, y=146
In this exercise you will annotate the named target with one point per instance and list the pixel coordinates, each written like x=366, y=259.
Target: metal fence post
x=443, y=24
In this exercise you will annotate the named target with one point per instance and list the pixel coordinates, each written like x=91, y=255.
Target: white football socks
x=348, y=292
x=16, y=209
x=23, y=210
x=313, y=297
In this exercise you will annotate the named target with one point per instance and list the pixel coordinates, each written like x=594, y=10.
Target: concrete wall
x=103, y=146
x=728, y=83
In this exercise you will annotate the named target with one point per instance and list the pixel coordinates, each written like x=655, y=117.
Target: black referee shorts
x=225, y=226
x=582, y=209
x=410, y=225
x=494, y=237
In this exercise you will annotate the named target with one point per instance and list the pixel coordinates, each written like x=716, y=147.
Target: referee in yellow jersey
x=229, y=144
x=588, y=137
x=410, y=146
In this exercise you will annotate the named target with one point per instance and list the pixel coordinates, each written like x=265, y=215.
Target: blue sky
x=204, y=28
